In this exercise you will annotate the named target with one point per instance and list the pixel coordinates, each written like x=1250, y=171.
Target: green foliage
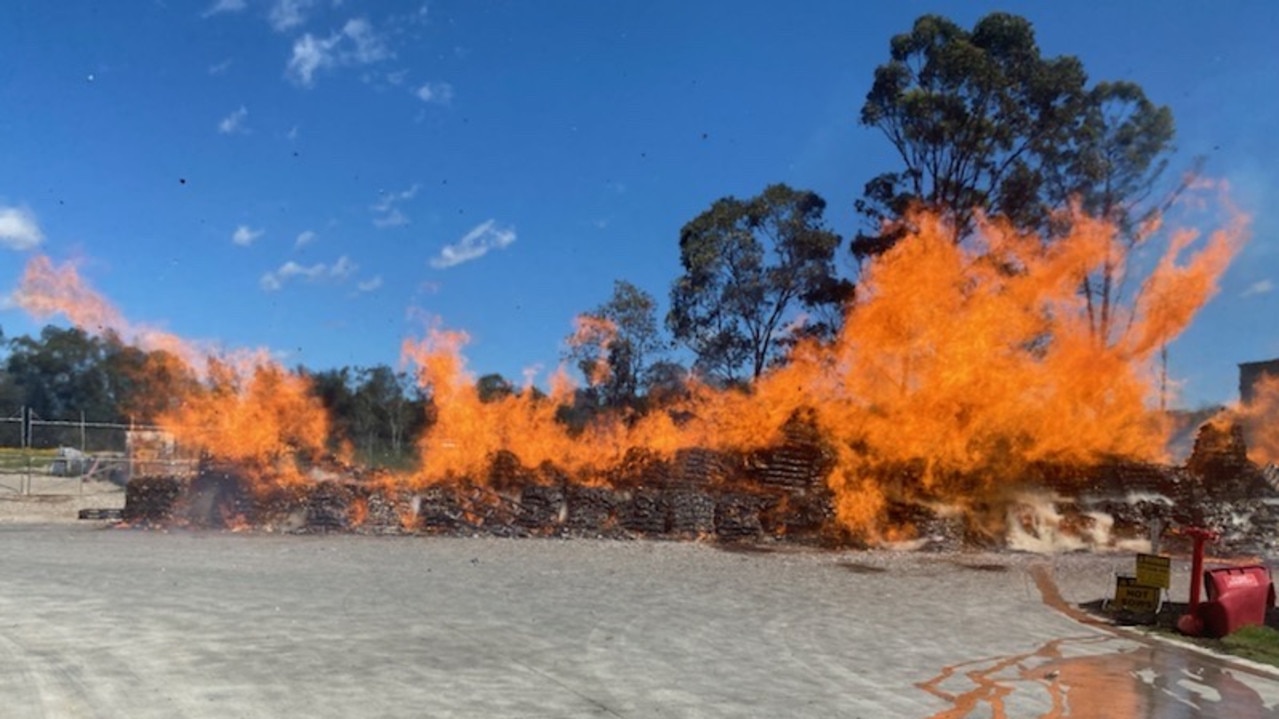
x=628, y=351
x=982, y=120
x=375, y=410
x=493, y=387
x=748, y=265
x=1260, y=644
x=1113, y=158
x=665, y=383
x=61, y=373
x=66, y=372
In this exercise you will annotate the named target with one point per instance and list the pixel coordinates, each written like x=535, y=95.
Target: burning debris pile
x=971, y=388
x=1132, y=504
x=779, y=493
x=696, y=494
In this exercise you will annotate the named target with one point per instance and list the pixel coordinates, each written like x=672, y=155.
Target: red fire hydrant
x=1191, y=623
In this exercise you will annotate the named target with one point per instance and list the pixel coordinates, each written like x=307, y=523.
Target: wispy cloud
x=288, y=14
x=220, y=67
x=305, y=238
x=343, y=268
x=387, y=210
x=1260, y=287
x=357, y=43
x=370, y=284
x=475, y=244
x=234, y=122
x=394, y=218
x=19, y=229
x=309, y=54
x=339, y=271
x=369, y=47
x=225, y=6
x=439, y=93
x=245, y=235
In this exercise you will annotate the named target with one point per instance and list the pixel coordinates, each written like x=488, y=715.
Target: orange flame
x=247, y=408
x=599, y=332
x=960, y=368
x=1260, y=420
x=46, y=290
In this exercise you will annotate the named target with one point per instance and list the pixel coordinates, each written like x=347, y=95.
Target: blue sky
x=315, y=176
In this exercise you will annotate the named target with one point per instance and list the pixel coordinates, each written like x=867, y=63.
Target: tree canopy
x=748, y=266
x=981, y=120
x=616, y=343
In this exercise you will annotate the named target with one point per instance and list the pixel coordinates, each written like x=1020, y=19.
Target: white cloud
x=370, y=284
x=287, y=14
x=305, y=238
x=293, y=269
x=245, y=235
x=388, y=212
x=440, y=93
x=222, y=6
x=474, y=245
x=292, y=134
x=221, y=67
x=340, y=271
x=390, y=198
x=394, y=218
x=19, y=229
x=343, y=268
x=309, y=55
x=356, y=44
x=1261, y=287
x=273, y=281
x=234, y=122
x=369, y=46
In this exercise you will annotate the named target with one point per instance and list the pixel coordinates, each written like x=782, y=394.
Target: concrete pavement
x=124, y=623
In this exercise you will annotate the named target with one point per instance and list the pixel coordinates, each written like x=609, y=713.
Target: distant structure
x=1250, y=373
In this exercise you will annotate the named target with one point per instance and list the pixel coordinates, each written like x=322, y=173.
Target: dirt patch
x=44, y=506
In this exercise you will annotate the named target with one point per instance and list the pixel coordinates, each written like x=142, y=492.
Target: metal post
x=83, y=444
x=1191, y=623
x=1196, y=571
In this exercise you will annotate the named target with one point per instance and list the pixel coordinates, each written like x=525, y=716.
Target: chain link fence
x=41, y=456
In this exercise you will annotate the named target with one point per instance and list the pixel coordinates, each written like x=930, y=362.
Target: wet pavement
x=123, y=623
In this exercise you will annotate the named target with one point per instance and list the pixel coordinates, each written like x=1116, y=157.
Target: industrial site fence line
x=40, y=456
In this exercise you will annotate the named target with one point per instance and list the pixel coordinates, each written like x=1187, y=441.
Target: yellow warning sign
x=1154, y=570
x=1133, y=596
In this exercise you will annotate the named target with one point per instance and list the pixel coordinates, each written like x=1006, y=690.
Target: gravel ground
x=43, y=499
x=124, y=623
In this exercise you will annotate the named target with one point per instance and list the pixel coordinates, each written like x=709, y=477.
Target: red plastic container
x=1237, y=597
